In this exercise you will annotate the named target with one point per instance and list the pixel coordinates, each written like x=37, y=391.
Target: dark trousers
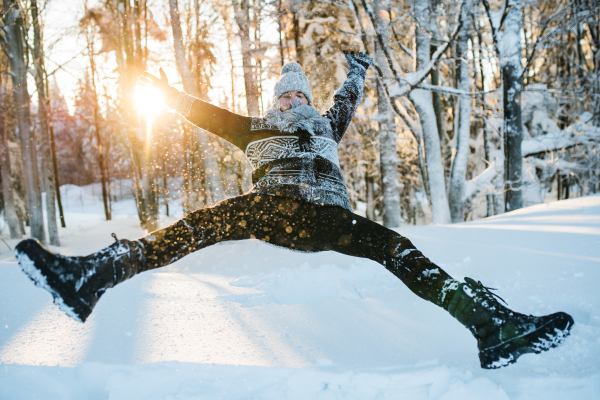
x=299, y=226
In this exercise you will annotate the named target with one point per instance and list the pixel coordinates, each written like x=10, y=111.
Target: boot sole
x=544, y=338
x=42, y=276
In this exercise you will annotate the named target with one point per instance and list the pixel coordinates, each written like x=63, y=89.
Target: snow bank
x=249, y=320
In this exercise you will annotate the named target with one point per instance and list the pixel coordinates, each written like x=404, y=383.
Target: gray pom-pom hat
x=292, y=78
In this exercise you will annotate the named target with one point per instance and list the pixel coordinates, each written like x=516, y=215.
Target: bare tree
x=507, y=42
x=211, y=166
x=416, y=86
x=242, y=18
x=463, y=134
x=388, y=158
x=44, y=128
x=14, y=28
x=423, y=103
x=120, y=27
x=10, y=212
x=97, y=129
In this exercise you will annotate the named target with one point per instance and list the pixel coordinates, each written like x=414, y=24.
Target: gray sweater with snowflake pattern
x=298, y=165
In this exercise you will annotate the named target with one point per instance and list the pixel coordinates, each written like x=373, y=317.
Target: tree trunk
x=242, y=19
x=15, y=42
x=280, y=31
x=211, y=167
x=436, y=97
x=510, y=64
x=388, y=158
x=388, y=163
x=463, y=133
x=44, y=132
x=422, y=101
x=487, y=145
x=296, y=34
x=230, y=38
x=99, y=140
x=369, y=182
x=437, y=101
x=387, y=130
x=164, y=181
x=10, y=212
x=148, y=177
x=54, y=162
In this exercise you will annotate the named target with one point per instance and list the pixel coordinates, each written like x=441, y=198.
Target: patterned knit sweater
x=298, y=165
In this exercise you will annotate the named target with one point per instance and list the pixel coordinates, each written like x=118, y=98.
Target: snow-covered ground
x=247, y=320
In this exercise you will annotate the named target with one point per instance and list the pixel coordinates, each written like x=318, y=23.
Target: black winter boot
x=76, y=283
x=502, y=334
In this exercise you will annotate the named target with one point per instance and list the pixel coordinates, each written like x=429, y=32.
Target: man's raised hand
x=161, y=84
x=360, y=60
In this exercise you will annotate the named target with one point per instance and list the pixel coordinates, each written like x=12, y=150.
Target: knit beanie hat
x=292, y=78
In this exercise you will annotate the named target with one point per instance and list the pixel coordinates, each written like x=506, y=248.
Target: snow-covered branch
x=569, y=137
x=482, y=182
x=496, y=19
x=414, y=79
x=448, y=89
x=556, y=164
x=400, y=111
x=408, y=83
x=380, y=40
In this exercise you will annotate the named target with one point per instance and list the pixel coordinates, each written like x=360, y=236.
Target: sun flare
x=148, y=101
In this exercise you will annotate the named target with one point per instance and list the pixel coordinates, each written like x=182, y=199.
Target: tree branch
x=495, y=29
x=408, y=51
x=564, y=139
x=417, y=77
x=451, y=90
x=379, y=37
x=540, y=36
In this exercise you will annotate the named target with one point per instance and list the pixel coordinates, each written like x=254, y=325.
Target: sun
x=148, y=101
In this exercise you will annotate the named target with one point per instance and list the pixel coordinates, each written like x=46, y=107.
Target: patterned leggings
x=299, y=226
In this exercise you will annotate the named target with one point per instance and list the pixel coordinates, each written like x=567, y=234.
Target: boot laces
x=487, y=289
x=114, y=237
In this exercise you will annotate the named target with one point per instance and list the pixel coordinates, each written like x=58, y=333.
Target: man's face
x=294, y=97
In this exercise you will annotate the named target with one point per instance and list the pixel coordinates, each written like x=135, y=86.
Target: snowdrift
x=249, y=320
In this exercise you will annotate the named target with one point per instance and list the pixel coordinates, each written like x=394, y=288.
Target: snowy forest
x=471, y=108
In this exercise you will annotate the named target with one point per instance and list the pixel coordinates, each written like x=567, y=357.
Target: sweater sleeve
x=230, y=126
x=345, y=102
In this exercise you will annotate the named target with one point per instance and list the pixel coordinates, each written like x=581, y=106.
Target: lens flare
x=148, y=101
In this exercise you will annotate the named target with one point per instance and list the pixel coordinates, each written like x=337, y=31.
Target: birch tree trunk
x=44, y=129
x=388, y=162
x=388, y=158
x=436, y=97
x=421, y=99
x=211, y=167
x=10, y=212
x=241, y=8
x=509, y=47
x=463, y=133
x=14, y=40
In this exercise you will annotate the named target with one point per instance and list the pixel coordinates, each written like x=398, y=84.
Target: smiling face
x=288, y=98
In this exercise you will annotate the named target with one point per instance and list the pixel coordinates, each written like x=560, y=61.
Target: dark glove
x=161, y=84
x=360, y=61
